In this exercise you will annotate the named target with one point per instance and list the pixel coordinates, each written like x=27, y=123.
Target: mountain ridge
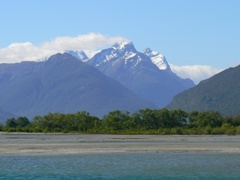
x=62, y=84
x=217, y=93
x=147, y=74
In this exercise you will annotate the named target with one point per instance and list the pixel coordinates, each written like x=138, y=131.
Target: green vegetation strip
x=145, y=121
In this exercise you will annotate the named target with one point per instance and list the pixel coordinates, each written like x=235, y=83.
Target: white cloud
x=89, y=41
x=16, y=52
x=27, y=51
x=195, y=72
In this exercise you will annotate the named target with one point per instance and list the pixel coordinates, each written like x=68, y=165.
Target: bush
x=11, y=122
x=218, y=130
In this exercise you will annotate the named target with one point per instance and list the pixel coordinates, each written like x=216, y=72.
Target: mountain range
x=218, y=93
x=119, y=77
x=62, y=84
x=146, y=73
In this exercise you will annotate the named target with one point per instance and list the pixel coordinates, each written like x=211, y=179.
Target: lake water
x=122, y=166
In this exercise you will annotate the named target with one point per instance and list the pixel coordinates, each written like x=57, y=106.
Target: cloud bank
x=195, y=72
x=27, y=51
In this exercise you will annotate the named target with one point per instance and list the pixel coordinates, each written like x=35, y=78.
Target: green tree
x=22, y=121
x=11, y=122
x=162, y=119
x=148, y=118
x=210, y=118
x=116, y=120
x=192, y=116
x=179, y=117
x=236, y=121
x=84, y=121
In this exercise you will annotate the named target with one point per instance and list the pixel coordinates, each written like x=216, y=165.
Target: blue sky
x=187, y=32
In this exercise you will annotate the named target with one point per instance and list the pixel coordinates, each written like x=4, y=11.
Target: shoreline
x=66, y=144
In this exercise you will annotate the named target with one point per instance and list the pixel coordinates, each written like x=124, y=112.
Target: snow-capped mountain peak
x=119, y=54
x=149, y=52
x=157, y=58
x=78, y=54
x=127, y=52
x=124, y=46
x=146, y=73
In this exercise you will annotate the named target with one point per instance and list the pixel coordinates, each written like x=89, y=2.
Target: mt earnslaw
x=145, y=73
x=117, y=78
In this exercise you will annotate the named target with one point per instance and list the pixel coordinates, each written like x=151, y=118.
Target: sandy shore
x=24, y=143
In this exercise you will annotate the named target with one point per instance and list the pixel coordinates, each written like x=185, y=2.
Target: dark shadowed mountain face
x=147, y=74
x=62, y=84
x=219, y=93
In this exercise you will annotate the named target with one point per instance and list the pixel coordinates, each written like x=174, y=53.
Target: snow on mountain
x=157, y=58
x=118, y=53
x=126, y=52
x=90, y=53
x=78, y=54
x=82, y=55
x=125, y=46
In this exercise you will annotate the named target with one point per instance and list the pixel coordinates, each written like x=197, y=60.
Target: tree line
x=144, y=121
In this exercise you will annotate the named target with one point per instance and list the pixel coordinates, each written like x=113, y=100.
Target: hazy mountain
x=219, y=93
x=62, y=84
x=147, y=74
x=4, y=115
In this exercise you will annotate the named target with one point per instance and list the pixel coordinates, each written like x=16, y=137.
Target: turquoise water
x=122, y=166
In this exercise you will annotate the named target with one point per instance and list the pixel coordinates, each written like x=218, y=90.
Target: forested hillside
x=219, y=93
